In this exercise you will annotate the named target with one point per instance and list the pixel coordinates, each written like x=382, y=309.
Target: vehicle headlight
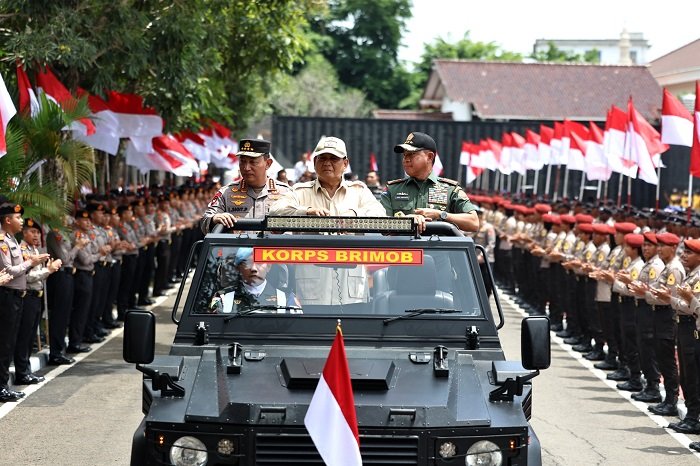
x=484, y=453
x=188, y=451
x=447, y=450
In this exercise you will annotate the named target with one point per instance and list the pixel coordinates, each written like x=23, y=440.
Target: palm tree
x=44, y=168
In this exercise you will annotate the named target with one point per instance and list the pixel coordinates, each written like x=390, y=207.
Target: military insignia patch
x=696, y=287
x=437, y=195
x=543, y=233
x=579, y=246
x=589, y=254
x=4, y=248
x=601, y=257
x=626, y=262
x=671, y=280
x=238, y=196
x=238, y=202
x=634, y=274
x=652, y=274
x=213, y=200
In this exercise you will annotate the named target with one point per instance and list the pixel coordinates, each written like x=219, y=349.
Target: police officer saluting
x=423, y=194
x=13, y=292
x=250, y=197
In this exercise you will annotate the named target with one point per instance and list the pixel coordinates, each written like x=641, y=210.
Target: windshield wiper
x=267, y=307
x=422, y=310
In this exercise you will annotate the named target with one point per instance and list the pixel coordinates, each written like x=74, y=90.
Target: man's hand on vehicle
x=225, y=219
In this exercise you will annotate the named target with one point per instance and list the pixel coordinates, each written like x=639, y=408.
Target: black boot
x=596, y=355
x=634, y=384
x=610, y=364
x=667, y=408
x=650, y=394
x=621, y=374
x=583, y=347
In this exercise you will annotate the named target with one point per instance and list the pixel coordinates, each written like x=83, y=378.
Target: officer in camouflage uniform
x=252, y=196
x=424, y=195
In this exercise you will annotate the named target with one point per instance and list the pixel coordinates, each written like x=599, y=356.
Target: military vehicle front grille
x=296, y=449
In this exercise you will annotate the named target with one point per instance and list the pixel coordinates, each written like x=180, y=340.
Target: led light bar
x=342, y=224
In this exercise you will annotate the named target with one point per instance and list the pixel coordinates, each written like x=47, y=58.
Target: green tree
x=316, y=92
x=554, y=54
x=361, y=38
x=189, y=59
x=44, y=168
x=464, y=49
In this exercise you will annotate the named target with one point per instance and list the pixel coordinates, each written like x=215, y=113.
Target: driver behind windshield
x=250, y=287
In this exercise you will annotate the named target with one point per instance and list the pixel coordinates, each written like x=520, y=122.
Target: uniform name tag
x=402, y=197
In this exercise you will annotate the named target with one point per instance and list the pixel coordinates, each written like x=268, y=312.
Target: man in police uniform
x=31, y=308
x=250, y=197
x=423, y=194
x=13, y=292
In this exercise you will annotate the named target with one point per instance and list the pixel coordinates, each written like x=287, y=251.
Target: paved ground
x=86, y=415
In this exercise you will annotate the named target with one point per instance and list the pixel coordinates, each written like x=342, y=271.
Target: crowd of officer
x=114, y=254
x=621, y=285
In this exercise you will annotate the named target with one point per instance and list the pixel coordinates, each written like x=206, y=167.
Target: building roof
x=387, y=114
x=542, y=91
x=682, y=59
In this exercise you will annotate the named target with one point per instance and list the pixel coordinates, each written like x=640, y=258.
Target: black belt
x=35, y=293
x=686, y=319
x=70, y=270
x=91, y=272
x=626, y=299
x=660, y=307
x=18, y=293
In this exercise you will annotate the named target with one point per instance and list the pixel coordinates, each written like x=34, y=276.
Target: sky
x=515, y=25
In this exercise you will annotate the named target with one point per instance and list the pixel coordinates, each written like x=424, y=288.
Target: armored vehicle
x=430, y=380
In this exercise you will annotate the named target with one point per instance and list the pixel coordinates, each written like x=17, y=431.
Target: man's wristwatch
x=443, y=216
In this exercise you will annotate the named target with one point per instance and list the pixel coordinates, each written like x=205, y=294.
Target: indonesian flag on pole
x=555, y=143
x=695, y=150
x=106, y=136
x=135, y=120
x=578, y=135
x=643, y=145
x=595, y=164
x=676, y=122
x=466, y=154
x=544, y=147
x=49, y=84
x=27, y=96
x=373, y=166
x=437, y=165
x=533, y=161
x=169, y=147
x=482, y=157
x=614, y=143
x=517, y=154
x=195, y=144
x=7, y=111
x=331, y=420
x=490, y=154
x=505, y=164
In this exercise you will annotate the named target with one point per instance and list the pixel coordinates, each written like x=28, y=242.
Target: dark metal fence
x=292, y=136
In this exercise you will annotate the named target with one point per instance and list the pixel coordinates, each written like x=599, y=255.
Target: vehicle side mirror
x=535, y=349
x=139, y=337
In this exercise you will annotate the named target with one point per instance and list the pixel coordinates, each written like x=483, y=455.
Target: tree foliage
x=189, y=58
x=464, y=48
x=316, y=92
x=556, y=55
x=361, y=38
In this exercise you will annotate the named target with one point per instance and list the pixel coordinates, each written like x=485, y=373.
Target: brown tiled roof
x=544, y=91
x=684, y=58
x=384, y=114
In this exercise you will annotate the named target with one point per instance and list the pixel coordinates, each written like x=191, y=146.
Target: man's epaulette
x=395, y=181
x=449, y=181
x=305, y=184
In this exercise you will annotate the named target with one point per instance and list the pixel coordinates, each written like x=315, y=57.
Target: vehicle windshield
x=299, y=281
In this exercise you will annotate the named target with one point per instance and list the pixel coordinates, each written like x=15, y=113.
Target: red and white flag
x=544, y=147
x=517, y=154
x=676, y=122
x=373, y=166
x=596, y=165
x=695, y=150
x=135, y=120
x=490, y=154
x=49, y=84
x=170, y=148
x=7, y=111
x=27, y=97
x=614, y=143
x=106, y=136
x=195, y=144
x=437, y=165
x=505, y=165
x=331, y=420
x=578, y=137
x=643, y=145
x=532, y=153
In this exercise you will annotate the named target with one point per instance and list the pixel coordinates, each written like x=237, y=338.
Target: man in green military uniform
x=424, y=195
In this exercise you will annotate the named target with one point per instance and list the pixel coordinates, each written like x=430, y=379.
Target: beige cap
x=331, y=145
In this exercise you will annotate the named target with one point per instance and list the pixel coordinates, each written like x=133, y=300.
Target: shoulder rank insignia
x=449, y=181
x=394, y=181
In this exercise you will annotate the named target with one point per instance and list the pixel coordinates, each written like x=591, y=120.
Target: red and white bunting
x=49, y=84
x=676, y=122
x=195, y=144
x=135, y=120
x=106, y=136
x=7, y=111
x=331, y=420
